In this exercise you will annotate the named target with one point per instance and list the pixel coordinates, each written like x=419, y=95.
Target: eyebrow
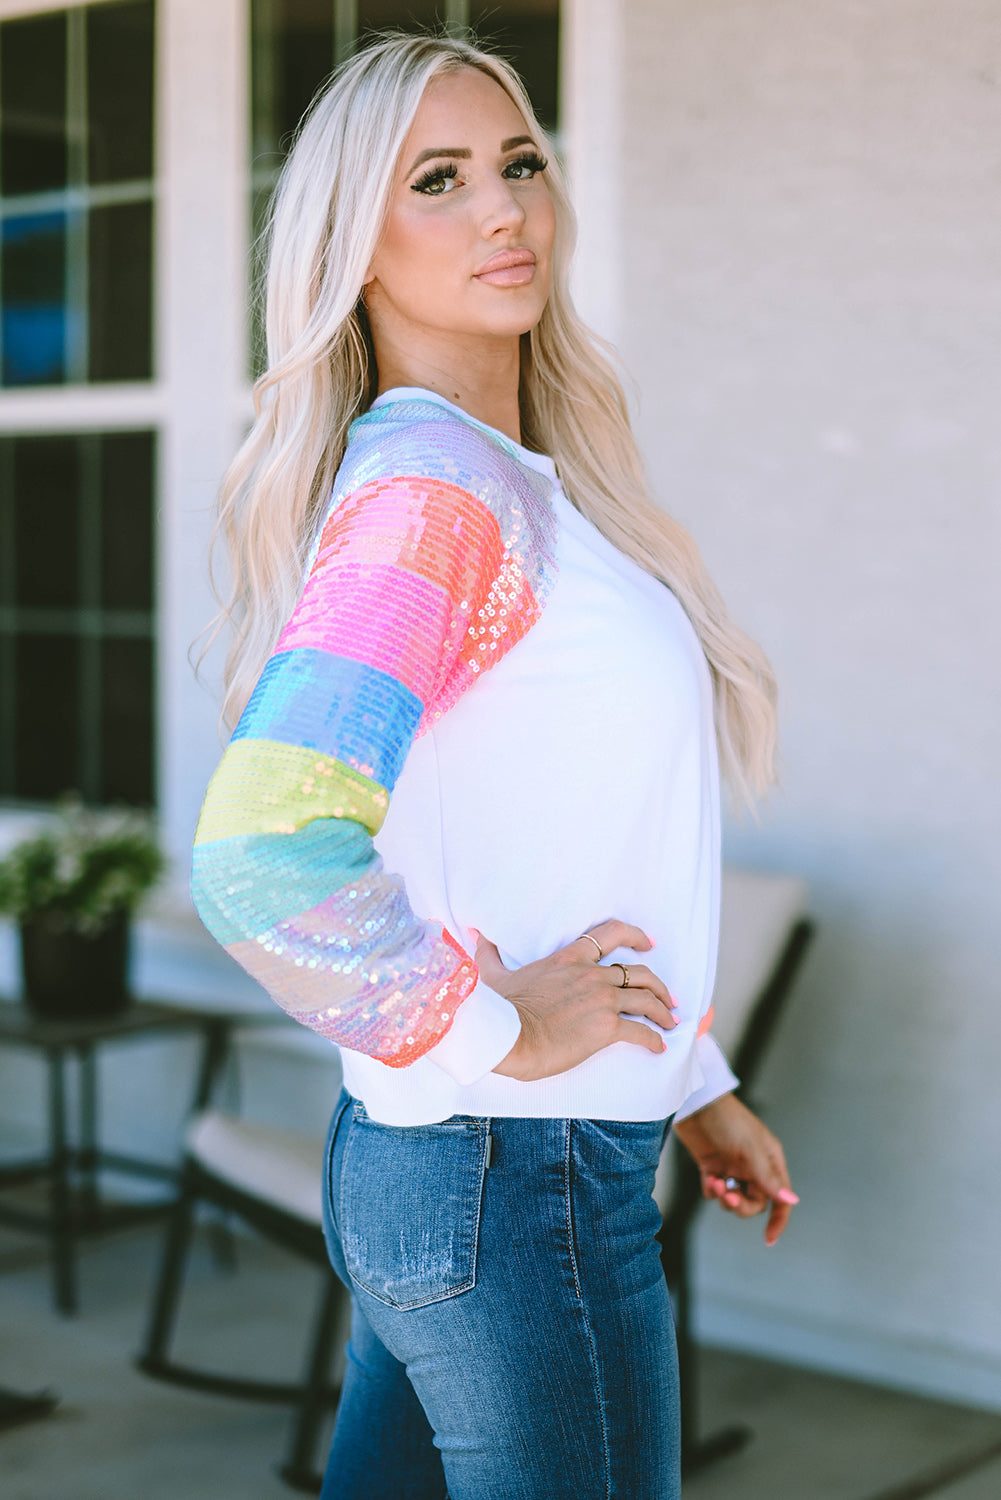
x=463, y=153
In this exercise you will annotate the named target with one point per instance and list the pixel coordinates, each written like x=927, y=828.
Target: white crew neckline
x=539, y=461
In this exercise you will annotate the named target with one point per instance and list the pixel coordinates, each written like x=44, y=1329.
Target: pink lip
x=508, y=268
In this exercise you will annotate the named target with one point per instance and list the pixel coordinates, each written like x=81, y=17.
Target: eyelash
x=439, y=174
x=529, y=159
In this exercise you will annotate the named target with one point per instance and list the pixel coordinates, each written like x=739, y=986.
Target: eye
x=524, y=167
x=433, y=181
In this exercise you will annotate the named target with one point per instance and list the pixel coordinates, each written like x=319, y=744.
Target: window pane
x=120, y=291
x=33, y=101
x=528, y=35
x=127, y=721
x=120, y=91
x=260, y=203
x=76, y=280
x=76, y=632
x=46, y=701
x=295, y=54
x=127, y=521
x=33, y=276
x=46, y=540
x=408, y=15
x=8, y=582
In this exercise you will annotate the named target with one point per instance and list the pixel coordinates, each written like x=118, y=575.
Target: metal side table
x=71, y=1167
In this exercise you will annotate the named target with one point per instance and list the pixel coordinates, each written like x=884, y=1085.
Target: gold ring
x=625, y=975
x=594, y=940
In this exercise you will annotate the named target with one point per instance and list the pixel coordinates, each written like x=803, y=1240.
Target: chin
x=512, y=322
x=514, y=330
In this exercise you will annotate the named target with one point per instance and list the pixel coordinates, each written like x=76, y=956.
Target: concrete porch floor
x=117, y=1435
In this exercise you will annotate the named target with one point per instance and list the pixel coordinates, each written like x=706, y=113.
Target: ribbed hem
x=621, y=1082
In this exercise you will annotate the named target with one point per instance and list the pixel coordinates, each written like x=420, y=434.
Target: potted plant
x=72, y=887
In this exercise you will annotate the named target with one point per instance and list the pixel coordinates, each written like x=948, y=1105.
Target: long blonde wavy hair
x=324, y=225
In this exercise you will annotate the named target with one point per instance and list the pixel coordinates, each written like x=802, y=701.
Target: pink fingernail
x=786, y=1196
x=475, y=934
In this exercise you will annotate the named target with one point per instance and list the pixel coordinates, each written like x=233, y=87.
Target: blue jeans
x=512, y=1335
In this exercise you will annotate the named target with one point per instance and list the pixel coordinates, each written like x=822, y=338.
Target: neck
x=481, y=378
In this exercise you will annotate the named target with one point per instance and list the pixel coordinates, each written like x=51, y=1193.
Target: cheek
x=421, y=249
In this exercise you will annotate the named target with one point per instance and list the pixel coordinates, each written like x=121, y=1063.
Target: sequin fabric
x=434, y=558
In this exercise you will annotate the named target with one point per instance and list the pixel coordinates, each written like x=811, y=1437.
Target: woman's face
x=467, y=245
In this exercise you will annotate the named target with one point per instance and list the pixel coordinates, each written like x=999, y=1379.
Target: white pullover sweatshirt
x=521, y=718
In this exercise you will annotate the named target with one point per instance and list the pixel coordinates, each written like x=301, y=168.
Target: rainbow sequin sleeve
x=419, y=581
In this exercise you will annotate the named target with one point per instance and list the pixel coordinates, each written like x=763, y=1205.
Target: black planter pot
x=68, y=976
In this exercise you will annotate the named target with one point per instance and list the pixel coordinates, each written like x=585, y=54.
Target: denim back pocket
x=410, y=1207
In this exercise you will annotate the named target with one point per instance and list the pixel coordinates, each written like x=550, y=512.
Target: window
x=76, y=506
x=76, y=616
x=76, y=195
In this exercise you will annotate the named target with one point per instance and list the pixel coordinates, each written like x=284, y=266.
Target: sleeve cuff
x=718, y=1078
x=485, y=1028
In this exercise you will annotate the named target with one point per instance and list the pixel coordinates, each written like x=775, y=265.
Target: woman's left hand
x=730, y=1145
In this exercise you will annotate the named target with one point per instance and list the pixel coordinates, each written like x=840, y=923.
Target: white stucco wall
x=808, y=291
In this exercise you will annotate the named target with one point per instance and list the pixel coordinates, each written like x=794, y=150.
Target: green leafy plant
x=83, y=869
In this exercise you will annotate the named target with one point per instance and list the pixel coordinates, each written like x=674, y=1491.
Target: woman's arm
x=285, y=874
x=411, y=596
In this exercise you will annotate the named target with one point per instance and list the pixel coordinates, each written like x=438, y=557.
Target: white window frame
x=197, y=401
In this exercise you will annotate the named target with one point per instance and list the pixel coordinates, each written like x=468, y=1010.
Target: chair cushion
x=758, y=911
x=279, y=1167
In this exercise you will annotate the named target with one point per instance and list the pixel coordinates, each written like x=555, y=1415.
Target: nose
x=501, y=208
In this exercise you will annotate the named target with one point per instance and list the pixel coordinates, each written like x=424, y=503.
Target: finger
x=641, y=978
x=747, y=1201
x=773, y=1180
x=616, y=934
x=777, y=1221
x=642, y=1003
x=588, y=947
x=715, y=1187
x=748, y=1205
x=712, y=1187
x=636, y=1032
x=720, y=1186
x=488, y=960
x=766, y=1167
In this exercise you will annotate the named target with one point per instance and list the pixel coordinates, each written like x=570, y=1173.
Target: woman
x=450, y=585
